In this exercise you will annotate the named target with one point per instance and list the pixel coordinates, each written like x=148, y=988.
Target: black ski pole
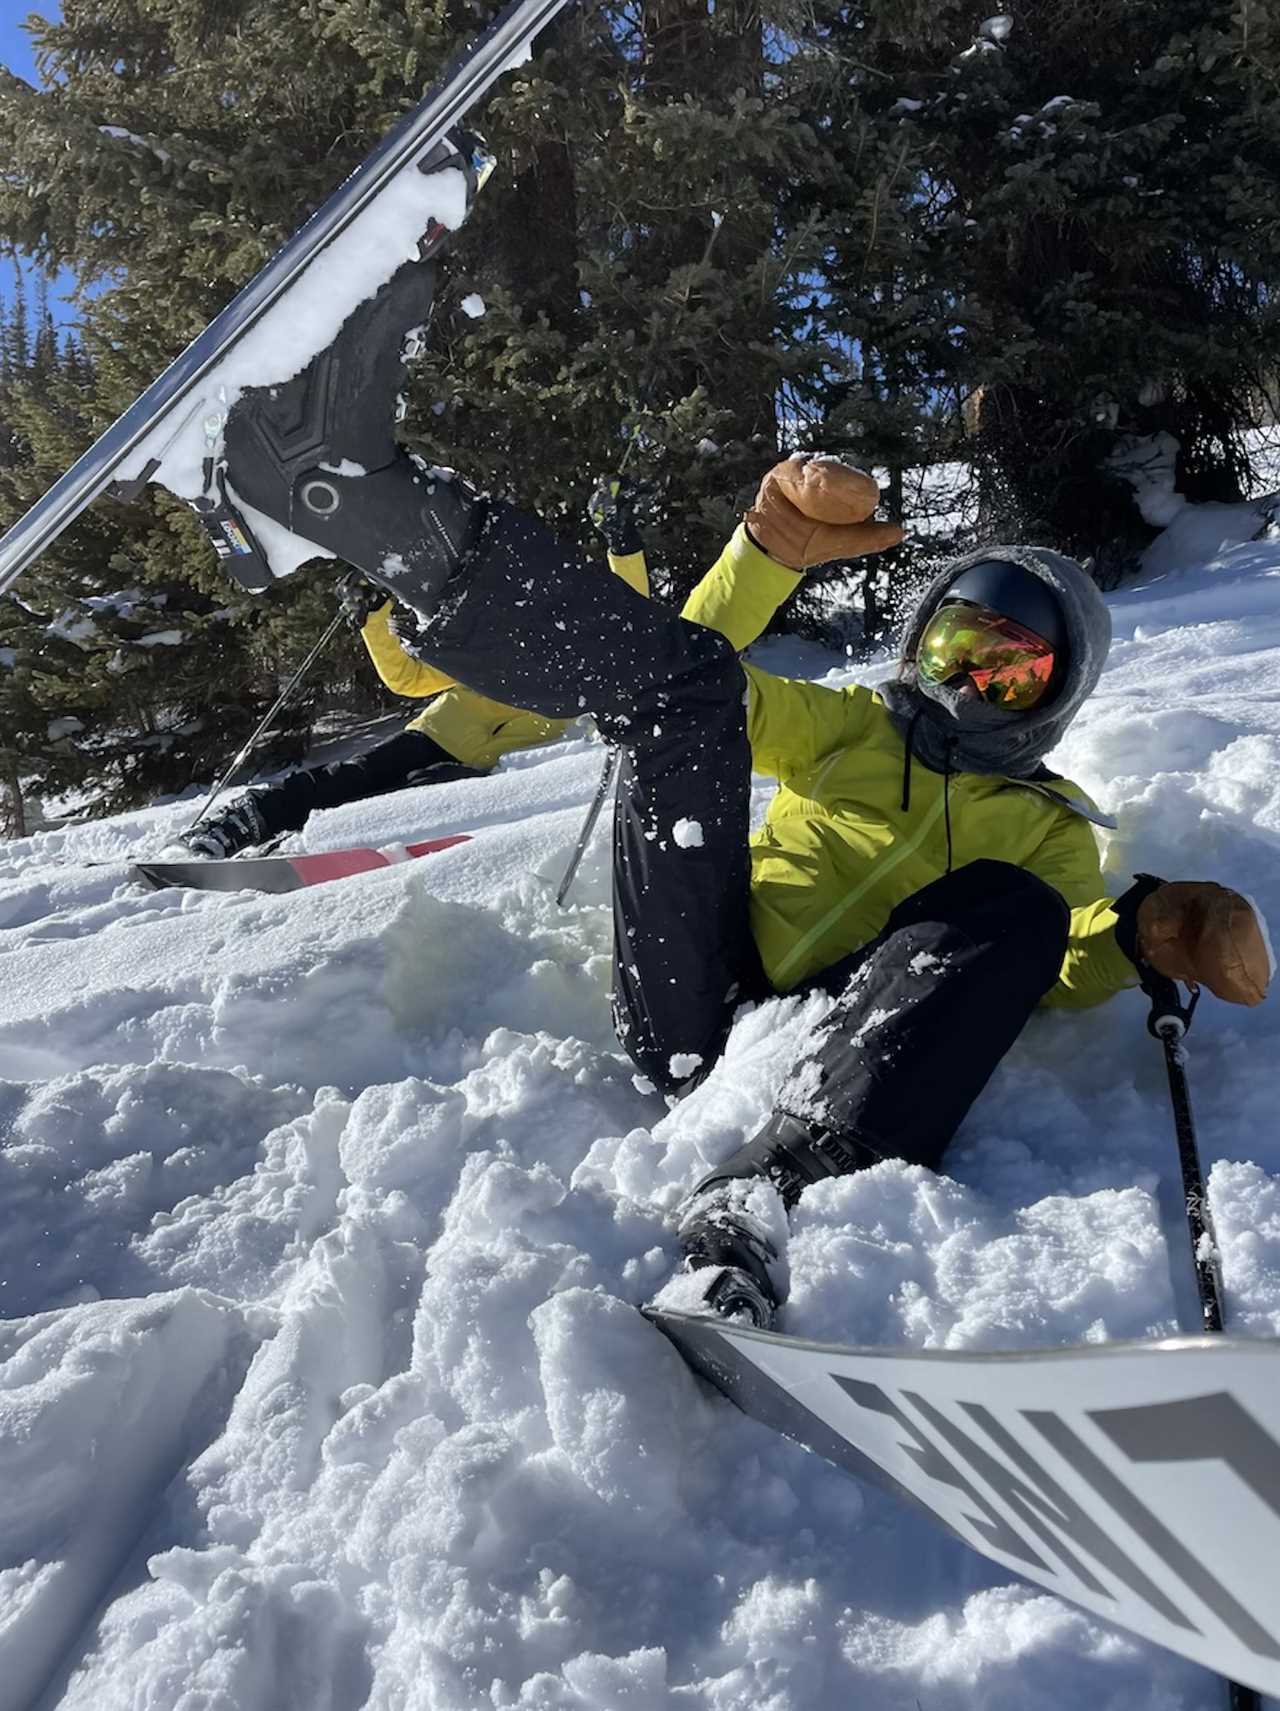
x=589, y=824
x=1168, y=1022
x=266, y=723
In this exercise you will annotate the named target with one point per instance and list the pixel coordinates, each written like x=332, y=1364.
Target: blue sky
x=15, y=44
x=15, y=52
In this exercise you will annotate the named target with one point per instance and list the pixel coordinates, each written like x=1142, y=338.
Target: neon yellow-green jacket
x=837, y=850
x=470, y=727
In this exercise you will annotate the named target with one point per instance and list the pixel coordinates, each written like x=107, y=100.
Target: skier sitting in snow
x=919, y=861
x=460, y=735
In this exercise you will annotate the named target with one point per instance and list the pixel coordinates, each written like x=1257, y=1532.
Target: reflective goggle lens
x=1011, y=666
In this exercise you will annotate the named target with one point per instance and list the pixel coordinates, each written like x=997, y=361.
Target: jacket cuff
x=631, y=568
x=380, y=616
x=1126, y=911
x=741, y=592
x=745, y=553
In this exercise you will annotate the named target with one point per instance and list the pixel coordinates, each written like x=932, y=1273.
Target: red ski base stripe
x=341, y=864
x=278, y=875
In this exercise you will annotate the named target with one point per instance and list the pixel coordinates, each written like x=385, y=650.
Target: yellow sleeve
x=633, y=570
x=1094, y=966
x=792, y=724
x=402, y=674
x=741, y=591
x=478, y=732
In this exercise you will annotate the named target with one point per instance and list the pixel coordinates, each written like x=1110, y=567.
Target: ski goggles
x=1009, y=664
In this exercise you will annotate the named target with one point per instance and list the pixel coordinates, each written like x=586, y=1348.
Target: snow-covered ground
x=323, y=1221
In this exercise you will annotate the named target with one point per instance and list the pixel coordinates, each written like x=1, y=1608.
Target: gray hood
x=1014, y=745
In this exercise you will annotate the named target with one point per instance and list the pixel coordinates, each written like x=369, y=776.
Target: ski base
x=1140, y=1480
x=281, y=873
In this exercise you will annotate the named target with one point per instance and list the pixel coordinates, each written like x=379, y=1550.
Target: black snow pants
x=529, y=622
x=923, y=1013
x=387, y=766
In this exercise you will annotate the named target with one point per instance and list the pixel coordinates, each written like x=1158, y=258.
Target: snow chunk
x=100, y=1406
x=65, y=727
x=473, y=305
x=162, y=639
x=688, y=834
x=124, y=136
x=683, y=1064
x=996, y=29
x=621, y=1438
x=1199, y=538
x=73, y=627
x=924, y=962
x=124, y=601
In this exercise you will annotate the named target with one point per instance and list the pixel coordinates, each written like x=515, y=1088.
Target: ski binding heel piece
x=735, y=1294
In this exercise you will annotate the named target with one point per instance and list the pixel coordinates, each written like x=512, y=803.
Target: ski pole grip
x=1170, y=1018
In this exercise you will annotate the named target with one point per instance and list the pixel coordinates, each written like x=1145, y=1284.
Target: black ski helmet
x=1004, y=587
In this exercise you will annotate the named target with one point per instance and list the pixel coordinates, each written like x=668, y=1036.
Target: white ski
x=166, y=434
x=1140, y=1480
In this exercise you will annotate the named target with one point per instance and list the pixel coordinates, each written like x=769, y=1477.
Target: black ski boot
x=316, y=454
x=319, y=456
x=791, y=1153
x=239, y=827
x=730, y=1240
x=719, y=1229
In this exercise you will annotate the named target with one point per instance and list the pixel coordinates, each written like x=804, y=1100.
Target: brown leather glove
x=1206, y=935
x=809, y=510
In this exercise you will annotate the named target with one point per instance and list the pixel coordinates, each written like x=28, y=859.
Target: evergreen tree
x=1097, y=188
x=714, y=233
x=659, y=141
x=170, y=667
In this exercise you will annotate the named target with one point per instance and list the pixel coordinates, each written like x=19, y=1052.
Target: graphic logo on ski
x=1137, y=1480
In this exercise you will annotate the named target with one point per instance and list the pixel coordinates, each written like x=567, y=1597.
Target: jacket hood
x=1015, y=745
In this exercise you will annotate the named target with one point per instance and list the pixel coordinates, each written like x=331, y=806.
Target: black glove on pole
x=359, y=599
x=1168, y=1023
